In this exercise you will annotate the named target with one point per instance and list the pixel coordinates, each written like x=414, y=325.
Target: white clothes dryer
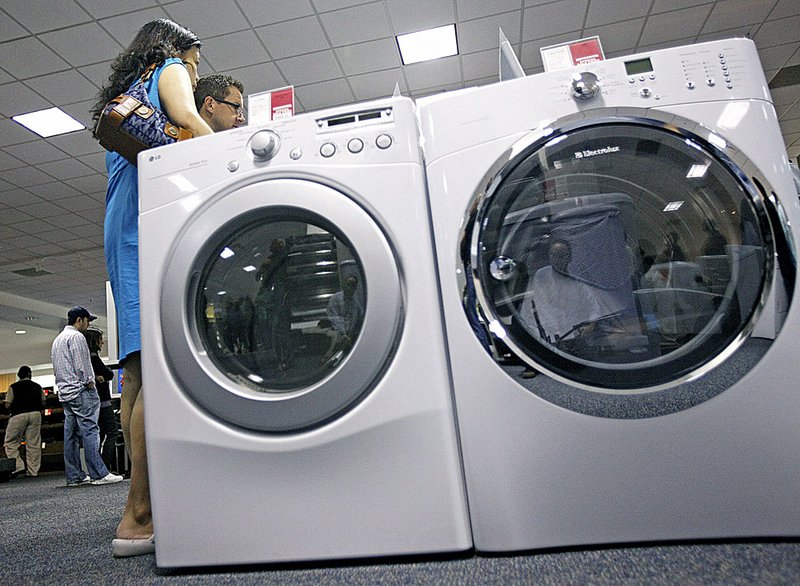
x=299, y=404
x=607, y=240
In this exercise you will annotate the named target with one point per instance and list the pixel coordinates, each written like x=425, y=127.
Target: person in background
x=176, y=52
x=72, y=367
x=345, y=315
x=219, y=101
x=106, y=421
x=24, y=401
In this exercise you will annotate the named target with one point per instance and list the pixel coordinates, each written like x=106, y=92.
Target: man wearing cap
x=72, y=367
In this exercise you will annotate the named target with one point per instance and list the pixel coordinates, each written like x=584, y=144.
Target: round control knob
x=584, y=86
x=264, y=144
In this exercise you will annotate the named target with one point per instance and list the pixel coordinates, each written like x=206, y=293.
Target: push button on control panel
x=327, y=150
x=384, y=141
x=356, y=145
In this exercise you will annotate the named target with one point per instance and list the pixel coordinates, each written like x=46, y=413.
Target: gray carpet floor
x=51, y=534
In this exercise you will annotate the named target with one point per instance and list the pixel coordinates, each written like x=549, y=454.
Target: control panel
x=713, y=71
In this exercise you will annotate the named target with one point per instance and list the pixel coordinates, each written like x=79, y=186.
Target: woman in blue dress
x=176, y=52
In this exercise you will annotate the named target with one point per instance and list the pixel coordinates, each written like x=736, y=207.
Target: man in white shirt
x=72, y=367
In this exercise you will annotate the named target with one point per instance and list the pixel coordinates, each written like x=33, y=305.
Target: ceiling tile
x=553, y=19
x=674, y=25
x=82, y=45
x=776, y=32
x=325, y=95
x=480, y=65
x=726, y=34
x=96, y=161
x=9, y=162
x=371, y=56
x=54, y=235
x=80, y=111
x=53, y=191
x=42, y=209
x=29, y=57
x=357, y=25
x=90, y=184
x=62, y=88
x=260, y=13
x=77, y=143
x=43, y=15
x=378, y=84
x=227, y=17
x=784, y=8
x=469, y=9
x=732, y=13
x=438, y=72
x=306, y=69
x=608, y=11
x=327, y=5
x=669, y=5
x=10, y=29
x=78, y=203
x=776, y=57
x=10, y=131
x=97, y=74
x=67, y=169
x=125, y=26
x=37, y=152
x=259, y=78
x=16, y=98
x=103, y=8
x=409, y=16
x=234, y=50
x=620, y=36
x=25, y=176
x=484, y=33
x=305, y=33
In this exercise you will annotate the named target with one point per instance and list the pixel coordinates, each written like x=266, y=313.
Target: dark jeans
x=108, y=437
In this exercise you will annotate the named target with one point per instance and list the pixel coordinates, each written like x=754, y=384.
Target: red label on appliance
x=587, y=51
x=282, y=103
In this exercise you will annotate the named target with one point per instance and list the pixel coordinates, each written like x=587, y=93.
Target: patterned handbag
x=130, y=123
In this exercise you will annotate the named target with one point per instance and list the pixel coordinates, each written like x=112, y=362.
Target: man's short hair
x=215, y=85
x=24, y=372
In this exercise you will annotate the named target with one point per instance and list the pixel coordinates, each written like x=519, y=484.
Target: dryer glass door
x=624, y=256
x=281, y=305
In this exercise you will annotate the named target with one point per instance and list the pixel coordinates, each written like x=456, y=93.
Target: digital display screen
x=639, y=66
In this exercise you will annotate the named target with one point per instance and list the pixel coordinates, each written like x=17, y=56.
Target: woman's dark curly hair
x=93, y=336
x=154, y=43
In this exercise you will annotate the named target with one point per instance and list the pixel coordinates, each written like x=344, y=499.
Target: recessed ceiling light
x=49, y=122
x=20, y=332
x=428, y=44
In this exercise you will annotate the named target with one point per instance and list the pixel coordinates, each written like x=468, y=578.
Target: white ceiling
x=57, y=53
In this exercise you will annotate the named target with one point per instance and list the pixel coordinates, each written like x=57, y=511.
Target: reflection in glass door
x=280, y=304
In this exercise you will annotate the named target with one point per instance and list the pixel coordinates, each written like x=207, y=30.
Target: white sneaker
x=108, y=479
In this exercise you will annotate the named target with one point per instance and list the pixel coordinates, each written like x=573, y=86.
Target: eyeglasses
x=237, y=107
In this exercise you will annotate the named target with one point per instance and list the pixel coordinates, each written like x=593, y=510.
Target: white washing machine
x=607, y=240
x=299, y=404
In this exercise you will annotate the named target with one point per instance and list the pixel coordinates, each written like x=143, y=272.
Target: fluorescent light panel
x=50, y=122
x=428, y=44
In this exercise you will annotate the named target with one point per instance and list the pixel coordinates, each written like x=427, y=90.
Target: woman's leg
x=137, y=521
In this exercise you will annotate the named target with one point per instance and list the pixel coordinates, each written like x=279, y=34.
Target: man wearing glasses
x=219, y=101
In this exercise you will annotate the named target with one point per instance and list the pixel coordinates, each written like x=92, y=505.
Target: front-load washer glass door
x=618, y=255
x=281, y=305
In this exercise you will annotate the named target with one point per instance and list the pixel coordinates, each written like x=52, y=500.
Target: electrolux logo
x=585, y=154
